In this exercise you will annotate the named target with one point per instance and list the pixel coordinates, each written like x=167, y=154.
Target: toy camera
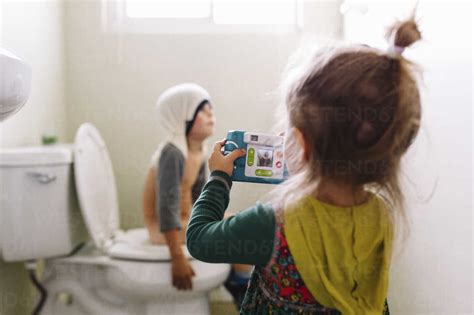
x=264, y=162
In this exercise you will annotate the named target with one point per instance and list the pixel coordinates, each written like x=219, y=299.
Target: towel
x=176, y=107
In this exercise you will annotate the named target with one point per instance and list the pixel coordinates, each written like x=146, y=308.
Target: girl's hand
x=219, y=162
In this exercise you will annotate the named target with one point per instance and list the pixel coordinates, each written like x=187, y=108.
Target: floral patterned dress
x=279, y=289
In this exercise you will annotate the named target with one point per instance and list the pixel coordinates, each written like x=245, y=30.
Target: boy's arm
x=245, y=238
x=169, y=197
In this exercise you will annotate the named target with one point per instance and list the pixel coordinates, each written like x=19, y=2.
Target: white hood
x=175, y=107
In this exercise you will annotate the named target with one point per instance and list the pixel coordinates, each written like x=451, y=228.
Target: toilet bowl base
x=70, y=298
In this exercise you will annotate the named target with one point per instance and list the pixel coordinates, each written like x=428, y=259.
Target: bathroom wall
x=113, y=81
x=433, y=274
x=33, y=31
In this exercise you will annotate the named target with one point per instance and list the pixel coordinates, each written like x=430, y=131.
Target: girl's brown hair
x=359, y=110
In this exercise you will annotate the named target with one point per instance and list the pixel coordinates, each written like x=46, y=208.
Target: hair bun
x=404, y=33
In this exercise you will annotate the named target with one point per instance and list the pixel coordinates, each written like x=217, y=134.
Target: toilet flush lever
x=43, y=178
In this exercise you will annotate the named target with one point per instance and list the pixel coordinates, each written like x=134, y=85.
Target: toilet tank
x=39, y=213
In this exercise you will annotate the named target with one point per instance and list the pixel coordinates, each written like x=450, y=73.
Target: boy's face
x=204, y=124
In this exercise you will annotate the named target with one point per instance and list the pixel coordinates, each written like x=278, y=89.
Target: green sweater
x=245, y=238
x=356, y=258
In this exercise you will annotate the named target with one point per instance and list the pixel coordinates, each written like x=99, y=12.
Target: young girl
x=324, y=245
x=177, y=175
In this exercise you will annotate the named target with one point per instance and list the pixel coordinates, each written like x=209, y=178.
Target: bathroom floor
x=219, y=308
x=221, y=302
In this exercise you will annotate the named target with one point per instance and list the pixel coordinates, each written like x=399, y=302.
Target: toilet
x=59, y=203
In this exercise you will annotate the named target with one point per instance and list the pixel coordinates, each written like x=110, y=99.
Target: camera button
x=250, y=156
x=265, y=173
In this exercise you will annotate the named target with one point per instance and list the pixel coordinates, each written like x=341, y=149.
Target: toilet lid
x=95, y=185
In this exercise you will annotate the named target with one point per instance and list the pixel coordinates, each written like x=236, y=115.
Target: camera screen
x=265, y=158
x=253, y=138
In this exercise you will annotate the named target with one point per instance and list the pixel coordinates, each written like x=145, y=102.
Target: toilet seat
x=97, y=194
x=134, y=244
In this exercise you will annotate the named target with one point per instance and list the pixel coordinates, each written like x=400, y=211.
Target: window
x=255, y=12
x=168, y=8
x=202, y=16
